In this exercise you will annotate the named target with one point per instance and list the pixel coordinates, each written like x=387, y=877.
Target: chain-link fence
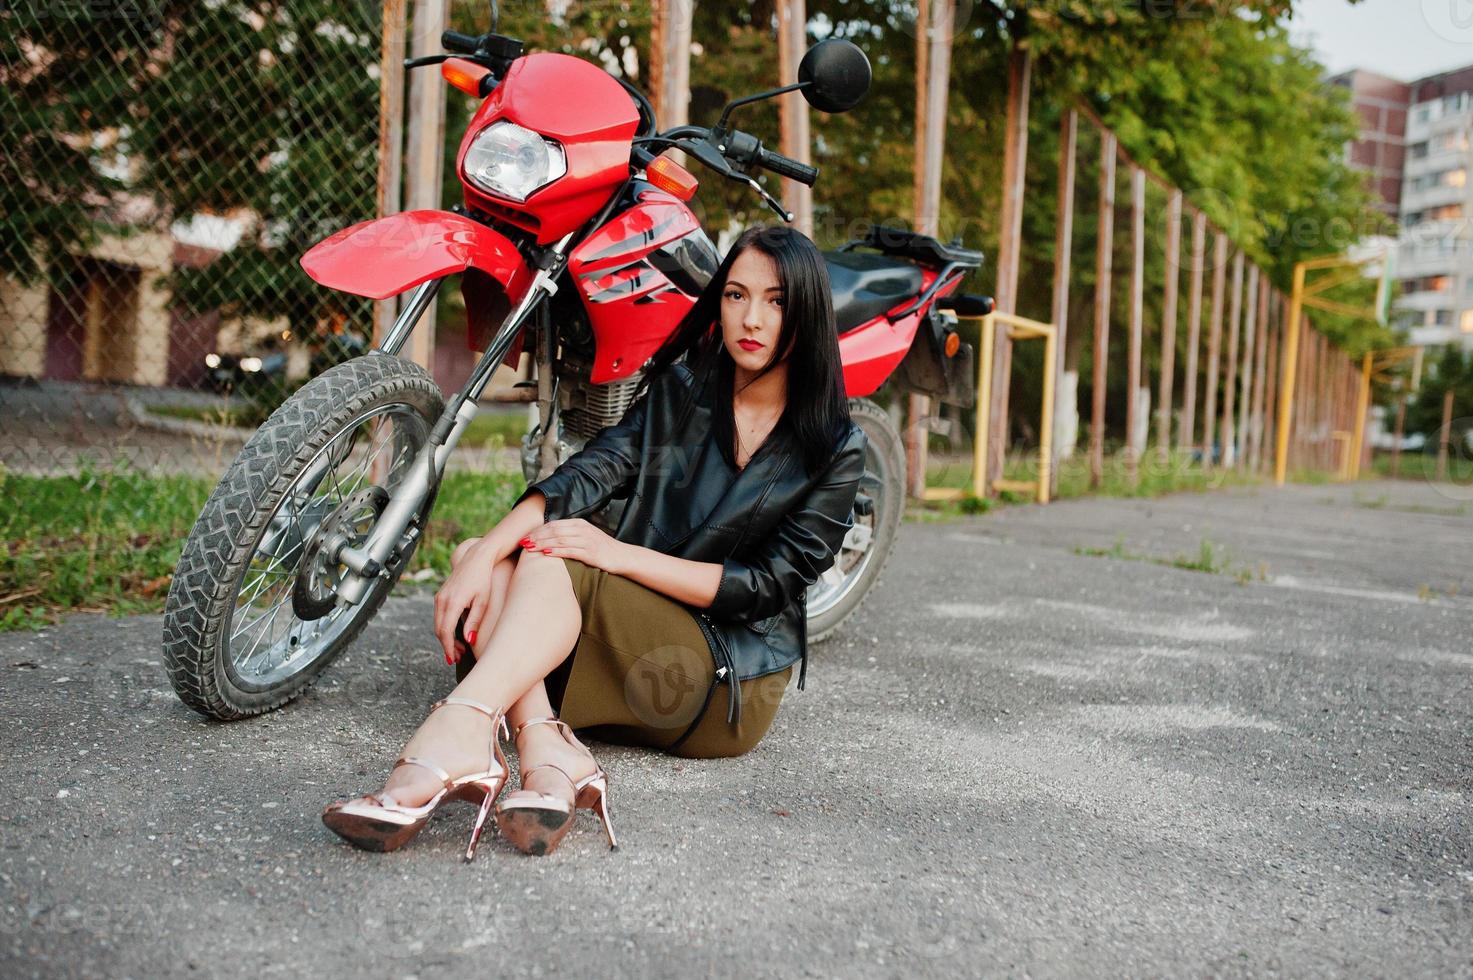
x=165, y=166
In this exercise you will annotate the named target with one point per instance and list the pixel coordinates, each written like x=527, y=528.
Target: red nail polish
x=471, y=636
x=547, y=551
x=525, y=542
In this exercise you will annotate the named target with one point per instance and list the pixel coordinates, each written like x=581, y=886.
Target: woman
x=741, y=467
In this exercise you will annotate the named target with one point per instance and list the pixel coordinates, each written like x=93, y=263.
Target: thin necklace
x=741, y=443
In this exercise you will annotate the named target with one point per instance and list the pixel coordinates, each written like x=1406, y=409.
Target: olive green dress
x=642, y=674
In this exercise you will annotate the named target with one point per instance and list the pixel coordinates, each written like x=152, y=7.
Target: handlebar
x=787, y=167
x=744, y=148
x=458, y=42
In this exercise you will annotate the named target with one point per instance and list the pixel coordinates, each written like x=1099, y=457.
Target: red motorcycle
x=574, y=239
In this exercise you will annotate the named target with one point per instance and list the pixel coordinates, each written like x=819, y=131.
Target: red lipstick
x=746, y=344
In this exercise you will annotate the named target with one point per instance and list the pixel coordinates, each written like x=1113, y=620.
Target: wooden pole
x=1010, y=243
x=933, y=123
x=1254, y=300
x=1187, y=433
x=1063, y=259
x=677, y=64
x=1286, y=387
x=1271, y=375
x=1230, y=367
x=669, y=74
x=1401, y=427
x=917, y=406
x=653, y=77
x=1266, y=308
x=1104, y=266
x=1316, y=389
x=390, y=139
x=1133, y=448
x=1305, y=414
x=1214, y=344
x=426, y=152
x=1362, y=410
x=1168, y=324
x=1445, y=439
x=793, y=109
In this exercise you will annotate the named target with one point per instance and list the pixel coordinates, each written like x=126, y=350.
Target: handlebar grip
x=788, y=167
x=456, y=41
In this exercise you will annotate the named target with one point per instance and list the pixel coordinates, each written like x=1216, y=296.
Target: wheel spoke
x=268, y=641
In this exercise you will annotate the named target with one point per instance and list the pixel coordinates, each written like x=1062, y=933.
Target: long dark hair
x=817, y=409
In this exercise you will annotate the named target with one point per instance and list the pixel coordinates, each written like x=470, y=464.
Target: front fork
x=392, y=533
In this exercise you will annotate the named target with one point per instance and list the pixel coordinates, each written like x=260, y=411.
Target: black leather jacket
x=773, y=527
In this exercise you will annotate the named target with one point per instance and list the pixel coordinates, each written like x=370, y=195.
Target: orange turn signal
x=464, y=75
x=953, y=343
x=670, y=176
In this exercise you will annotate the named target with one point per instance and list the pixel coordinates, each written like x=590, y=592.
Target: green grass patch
x=494, y=430
x=1154, y=477
x=108, y=541
x=229, y=414
x=1423, y=466
x=1211, y=558
x=488, y=430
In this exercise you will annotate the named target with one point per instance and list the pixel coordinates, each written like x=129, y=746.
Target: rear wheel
x=878, y=510
x=252, y=619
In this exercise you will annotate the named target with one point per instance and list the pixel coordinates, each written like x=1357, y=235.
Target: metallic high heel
x=384, y=826
x=537, y=826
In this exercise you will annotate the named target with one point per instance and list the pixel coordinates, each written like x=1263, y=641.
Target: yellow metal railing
x=1016, y=328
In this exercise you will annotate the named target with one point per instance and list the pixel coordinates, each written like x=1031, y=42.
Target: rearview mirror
x=838, y=74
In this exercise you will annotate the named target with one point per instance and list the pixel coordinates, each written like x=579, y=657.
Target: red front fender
x=384, y=257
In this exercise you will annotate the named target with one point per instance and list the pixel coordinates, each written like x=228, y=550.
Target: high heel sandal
x=537, y=826
x=384, y=826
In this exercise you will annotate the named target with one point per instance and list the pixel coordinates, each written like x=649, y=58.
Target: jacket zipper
x=728, y=670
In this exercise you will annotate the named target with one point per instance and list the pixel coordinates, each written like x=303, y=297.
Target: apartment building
x=1432, y=120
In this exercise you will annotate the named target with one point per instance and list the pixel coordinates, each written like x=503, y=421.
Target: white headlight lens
x=212, y=360
x=250, y=364
x=512, y=161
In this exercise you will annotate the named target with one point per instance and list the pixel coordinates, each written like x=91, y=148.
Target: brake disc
x=314, y=593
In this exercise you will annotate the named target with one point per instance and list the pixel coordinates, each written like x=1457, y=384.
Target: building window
x=1455, y=178
x=1418, y=151
x=1426, y=284
x=1444, y=318
x=1465, y=322
x=1456, y=139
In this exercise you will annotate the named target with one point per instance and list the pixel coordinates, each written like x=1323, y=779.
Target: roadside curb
x=186, y=427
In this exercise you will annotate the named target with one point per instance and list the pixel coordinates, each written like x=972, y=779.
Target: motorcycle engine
x=584, y=409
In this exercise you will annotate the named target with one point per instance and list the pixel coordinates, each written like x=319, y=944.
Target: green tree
x=66, y=76
x=1453, y=371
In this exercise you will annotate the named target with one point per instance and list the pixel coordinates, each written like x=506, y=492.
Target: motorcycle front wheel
x=251, y=619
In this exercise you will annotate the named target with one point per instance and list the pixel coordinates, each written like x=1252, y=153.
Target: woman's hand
x=467, y=591
x=576, y=538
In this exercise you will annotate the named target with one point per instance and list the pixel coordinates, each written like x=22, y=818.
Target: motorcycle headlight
x=511, y=161
x=212, y=360
x=250, y=364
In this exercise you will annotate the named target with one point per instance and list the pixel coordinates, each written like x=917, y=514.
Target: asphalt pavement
x=1062, y=741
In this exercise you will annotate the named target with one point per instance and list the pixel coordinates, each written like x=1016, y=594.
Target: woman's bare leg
x=543, y=744
x=538, y=744
x=539, y=624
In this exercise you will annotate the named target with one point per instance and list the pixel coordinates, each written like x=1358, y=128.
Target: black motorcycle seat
x=867, y=285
